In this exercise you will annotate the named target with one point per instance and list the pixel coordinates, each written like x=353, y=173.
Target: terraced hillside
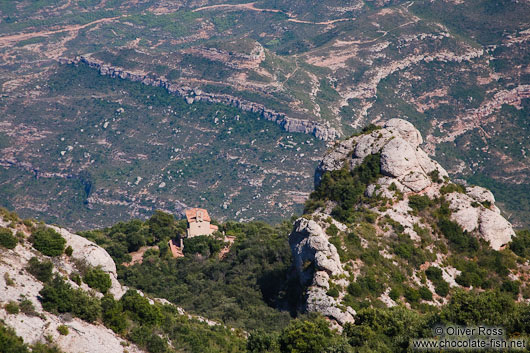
x=457, y=70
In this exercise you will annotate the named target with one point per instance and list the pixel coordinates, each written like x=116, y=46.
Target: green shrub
x=63, y=330
x=7, y=239
x=333, y=292
x=135, y=241
x=394, y=294
x=435, y=176
x=442, y=288
x=113, y=315
x=68, y=251
x=511, y=287
x=306, y=336
x=98, y=279
x=27, y=307
x=347, y=187
x=261, y=342
x=412, y=295
x=139, y=308
x=449, y=188
x=12, y=308
x=332, y=230
x=57, y=296
x=434, y=274
x=10, y=342
x=484, y=308
x=145, y=337
x=76, y=278
x=48, y=241
x=472, y=274
x=425, y=293
x=202, y=244
x=366, y=285
x=41, y=270
x=419, y=203
x=520, y=244
x=459, y=239
x=355, y=289
x=385, y=329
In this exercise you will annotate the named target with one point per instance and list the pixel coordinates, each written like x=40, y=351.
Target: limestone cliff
x=319, y=130
x=403, y=172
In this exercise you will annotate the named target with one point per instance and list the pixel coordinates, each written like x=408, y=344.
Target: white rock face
x=95, y=256
x=407, y=131
x=316, y=260
x=495, y=229
x=473, y=216
x=83, y=337
x=480, y=194
x=398, y=158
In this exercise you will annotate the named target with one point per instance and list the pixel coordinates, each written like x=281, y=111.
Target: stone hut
x=199, y=223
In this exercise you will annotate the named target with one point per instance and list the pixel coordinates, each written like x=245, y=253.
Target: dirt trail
x=8, y=40
x=250, y=6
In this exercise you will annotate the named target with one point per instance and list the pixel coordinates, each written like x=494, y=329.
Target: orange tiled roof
x=191, y=214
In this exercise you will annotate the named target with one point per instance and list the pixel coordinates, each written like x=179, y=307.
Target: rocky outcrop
x=401, y=158
x=317, y=263
x=33, y=328
x=191, y=95
x=406, y=170
x=476, y=212
x=94, y=256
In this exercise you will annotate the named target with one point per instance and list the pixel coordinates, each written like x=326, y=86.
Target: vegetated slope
x=90, y=151
x=385, y=226
x=455, y=69
x=247, y=287
x=59, y=293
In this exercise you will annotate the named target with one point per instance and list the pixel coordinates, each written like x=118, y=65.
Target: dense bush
x=12, y=308
x=41, y=270
x=113, y=315
x=63, y=330
x=346, y=187
x=459, y=239
x=98, y=279
x=58, y=296
x=521, y=243
x=306, y=336
x=10, y=342
x=139, y=309
x=419, y=203
x=434, y=274
x=449, y=188
x=48, y=241
x=69, y=251
x=204, y=245
x=425, y=293
x=7, y=239
x=386, y=330
x=406, y=249
x=262, y=342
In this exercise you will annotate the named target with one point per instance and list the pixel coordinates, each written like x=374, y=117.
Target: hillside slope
x=72, y=301
x=457, y=69
x=386, y=225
